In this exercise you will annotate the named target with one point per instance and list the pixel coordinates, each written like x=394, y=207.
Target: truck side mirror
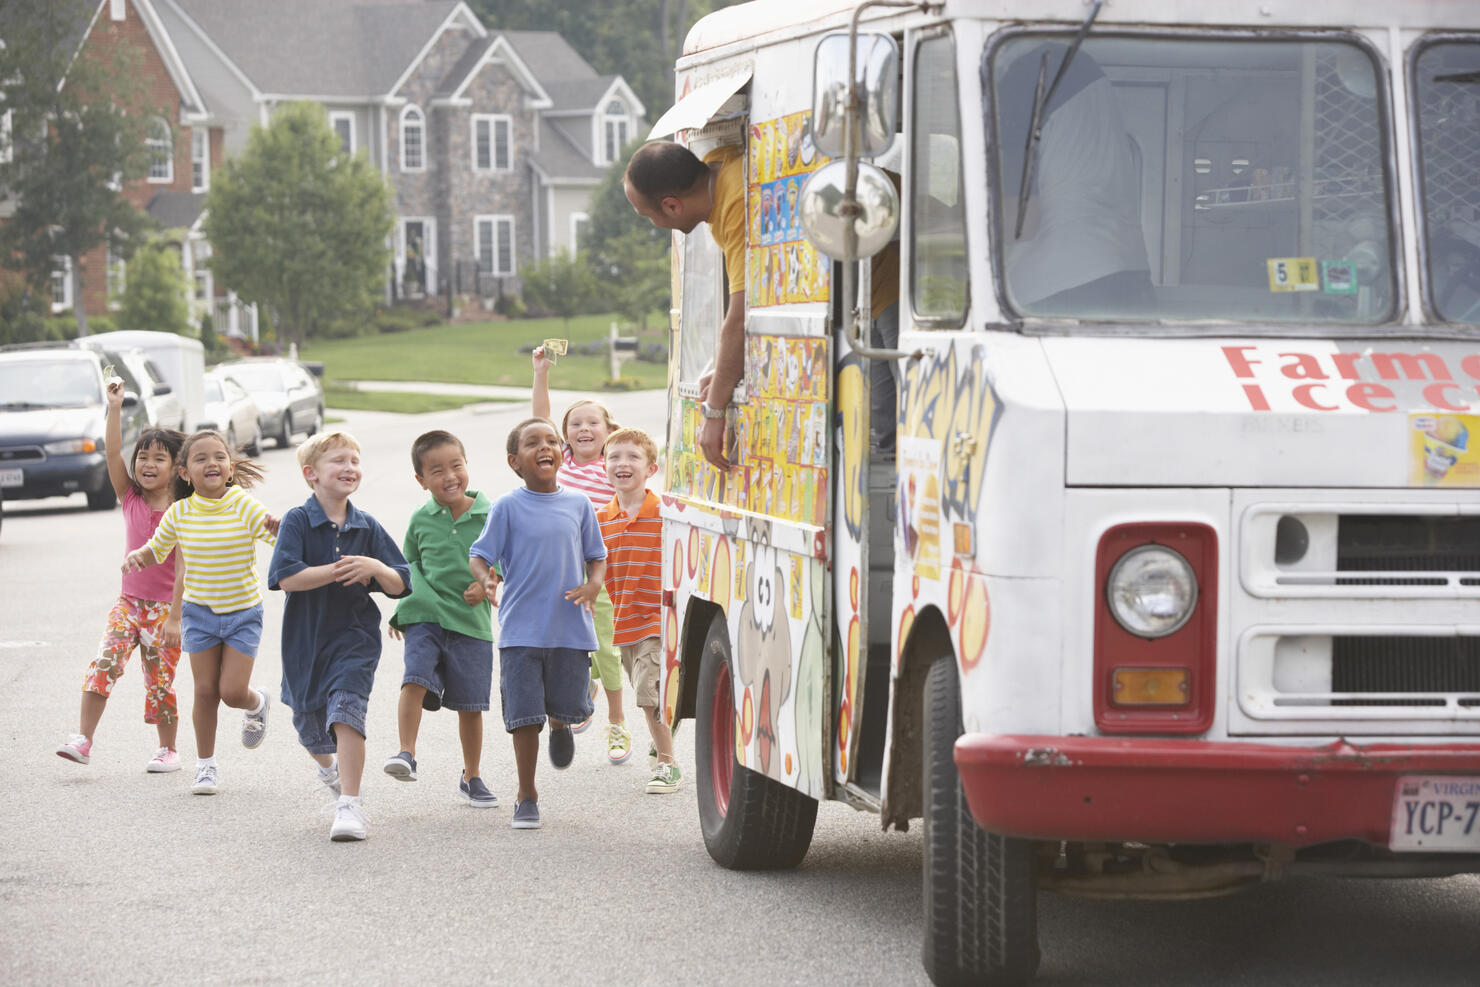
x=830, y=227
x=876, y=69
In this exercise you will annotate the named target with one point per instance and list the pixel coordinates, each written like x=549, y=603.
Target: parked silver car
x=230, y=410
x=289, y=398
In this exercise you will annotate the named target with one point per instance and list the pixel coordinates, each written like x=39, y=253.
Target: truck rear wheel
x=750, y=822
x=981, y=908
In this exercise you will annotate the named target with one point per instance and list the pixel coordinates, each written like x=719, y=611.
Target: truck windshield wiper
x=1466, y=77
x=1035, y=120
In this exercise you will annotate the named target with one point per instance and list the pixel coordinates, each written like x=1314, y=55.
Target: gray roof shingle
x=561, y=156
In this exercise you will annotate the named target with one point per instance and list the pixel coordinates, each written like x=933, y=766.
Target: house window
x=413, y=139
x=200, y=159
x=343, y=123
x=617, y=123
x=116, y=271
x=493, y=244
x=61, y=284
x=203, y=288
x=161, y=151
x=493, y=142
x=579, y=223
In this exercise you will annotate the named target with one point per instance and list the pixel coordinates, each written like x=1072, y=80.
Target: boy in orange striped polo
x=633, y=533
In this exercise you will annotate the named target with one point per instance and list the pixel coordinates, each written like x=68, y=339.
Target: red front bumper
x=1155, y=790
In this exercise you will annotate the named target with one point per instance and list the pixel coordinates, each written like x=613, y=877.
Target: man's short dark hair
x=427, y=441
x=659, y=169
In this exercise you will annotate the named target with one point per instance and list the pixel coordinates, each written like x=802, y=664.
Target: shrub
x=154, y=292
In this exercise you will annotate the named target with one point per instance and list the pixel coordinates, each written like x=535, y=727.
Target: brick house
x=187, y=139
x=492, y=141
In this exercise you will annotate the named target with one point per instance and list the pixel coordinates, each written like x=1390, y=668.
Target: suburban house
x=187, y=141
x=492, y=141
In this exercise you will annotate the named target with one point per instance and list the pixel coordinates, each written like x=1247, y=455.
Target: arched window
x=161, y=144
x=413, y=139
x=617, y=125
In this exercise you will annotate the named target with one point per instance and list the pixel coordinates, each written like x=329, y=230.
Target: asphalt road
x=109, y=875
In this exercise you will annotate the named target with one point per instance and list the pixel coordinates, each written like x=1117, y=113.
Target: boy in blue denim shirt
x=547, y=543
x=329, y=557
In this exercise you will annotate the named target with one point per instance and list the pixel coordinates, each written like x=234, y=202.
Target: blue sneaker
x=476, y=793
x=526, y=815
x=402, y=767
x=562, y=747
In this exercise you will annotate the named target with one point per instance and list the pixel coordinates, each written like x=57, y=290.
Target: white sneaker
x=349, y=822
x=205, y=780
x=254, y=725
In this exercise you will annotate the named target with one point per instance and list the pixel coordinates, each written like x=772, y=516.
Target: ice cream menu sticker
x=782, y=267
x=1443, y=451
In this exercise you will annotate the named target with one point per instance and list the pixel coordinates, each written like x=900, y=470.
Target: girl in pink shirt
x=584, y=428
x=147, y=613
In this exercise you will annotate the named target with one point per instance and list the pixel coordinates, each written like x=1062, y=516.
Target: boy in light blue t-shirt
x=548, y=545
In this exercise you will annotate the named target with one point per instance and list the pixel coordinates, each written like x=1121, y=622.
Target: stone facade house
x=492, y=141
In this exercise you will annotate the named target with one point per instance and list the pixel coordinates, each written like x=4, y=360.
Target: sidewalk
x=558, y=398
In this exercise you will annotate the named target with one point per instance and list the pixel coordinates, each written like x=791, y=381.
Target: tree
x=75, y=134
x=561, y=285
x=299, y=227
x=154, y=292
x=628, y=255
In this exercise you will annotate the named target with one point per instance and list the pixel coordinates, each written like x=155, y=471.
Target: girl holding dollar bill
x=146, y=614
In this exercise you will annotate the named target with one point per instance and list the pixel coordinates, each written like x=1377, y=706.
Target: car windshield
x=258, y=377
x=1183, y=178
x=213, y=390
x=27, y=384
x=1447, y=86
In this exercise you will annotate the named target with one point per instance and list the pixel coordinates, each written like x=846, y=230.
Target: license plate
x=12, y=478
x=1436, y=813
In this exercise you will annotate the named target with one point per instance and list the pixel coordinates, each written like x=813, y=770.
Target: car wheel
x=102, y=499
x=284, y=436
x=317, y=424
x=231, y=439
x=980, y=890
x=749, y=821
x=254, y=448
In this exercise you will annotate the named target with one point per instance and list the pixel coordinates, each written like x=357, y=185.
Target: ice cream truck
x=1159, y=576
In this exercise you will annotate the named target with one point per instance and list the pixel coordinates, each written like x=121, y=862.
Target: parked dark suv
x=52, y=412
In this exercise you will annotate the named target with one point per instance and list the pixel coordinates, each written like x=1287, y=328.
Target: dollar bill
x=108, y=372
x=555, y=348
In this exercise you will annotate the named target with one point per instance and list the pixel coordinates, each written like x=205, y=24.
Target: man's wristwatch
x=709, y=411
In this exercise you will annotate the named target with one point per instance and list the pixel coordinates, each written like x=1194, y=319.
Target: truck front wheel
x=750, y=822
x=981, y=909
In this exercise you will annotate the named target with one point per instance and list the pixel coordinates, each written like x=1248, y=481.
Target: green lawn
x=400, y=402
x=482, y=353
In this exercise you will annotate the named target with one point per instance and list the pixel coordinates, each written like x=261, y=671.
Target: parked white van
x=180, y=359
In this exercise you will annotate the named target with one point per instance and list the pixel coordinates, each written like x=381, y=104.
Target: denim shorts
x=456, y=668
x=316, y=726
x=202, y=628
x=537, y=682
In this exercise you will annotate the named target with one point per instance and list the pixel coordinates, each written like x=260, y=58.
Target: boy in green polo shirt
x=446, y=620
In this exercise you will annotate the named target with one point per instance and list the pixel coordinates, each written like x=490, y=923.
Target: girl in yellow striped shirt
x=215, y=525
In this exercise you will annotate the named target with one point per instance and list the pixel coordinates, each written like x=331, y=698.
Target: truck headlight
x=71, y=447
x=1151, y=591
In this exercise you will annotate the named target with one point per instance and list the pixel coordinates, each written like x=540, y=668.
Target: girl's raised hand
x=540, y=361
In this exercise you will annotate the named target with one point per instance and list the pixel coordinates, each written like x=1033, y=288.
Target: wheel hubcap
x=722, y=736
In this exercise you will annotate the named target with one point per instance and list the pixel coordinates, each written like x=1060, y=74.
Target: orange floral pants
x=138, y=623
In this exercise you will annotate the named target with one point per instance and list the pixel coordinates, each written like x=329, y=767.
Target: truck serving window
x=1447, y=89
x=702, y=309
x=1178, y=178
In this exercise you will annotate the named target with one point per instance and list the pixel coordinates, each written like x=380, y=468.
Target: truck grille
x=1390, y=664
x=1393, y=543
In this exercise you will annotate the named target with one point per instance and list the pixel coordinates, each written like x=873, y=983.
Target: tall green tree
x=154, y=292
x=637, y=39
x=299, y=227
x=628, y=255
x=77, y=122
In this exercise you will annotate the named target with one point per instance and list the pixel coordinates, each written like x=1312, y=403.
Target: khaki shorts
x=644, y=667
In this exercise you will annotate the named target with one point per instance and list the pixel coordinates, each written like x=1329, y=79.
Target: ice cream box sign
x=1442, y=450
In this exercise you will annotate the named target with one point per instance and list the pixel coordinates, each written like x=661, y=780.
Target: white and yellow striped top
x=217, y=542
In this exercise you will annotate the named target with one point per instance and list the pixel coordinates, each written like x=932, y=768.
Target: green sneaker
x=665, y=780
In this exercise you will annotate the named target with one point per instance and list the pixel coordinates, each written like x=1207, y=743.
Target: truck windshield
x=1188, y=179
x=1447, y=89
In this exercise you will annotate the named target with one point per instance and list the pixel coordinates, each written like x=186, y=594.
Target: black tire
x=254, y=448
x=980, y=890
x=750, y=822
x=284, y=436
x=231, y=439
x=316, y=424
x=102, y=499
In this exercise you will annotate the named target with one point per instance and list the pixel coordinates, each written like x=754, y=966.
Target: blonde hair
x=611, y=423
x=315, y=446
x=633, y=437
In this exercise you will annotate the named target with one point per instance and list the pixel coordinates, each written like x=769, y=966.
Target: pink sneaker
x=77, y=748
x=163, y=761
